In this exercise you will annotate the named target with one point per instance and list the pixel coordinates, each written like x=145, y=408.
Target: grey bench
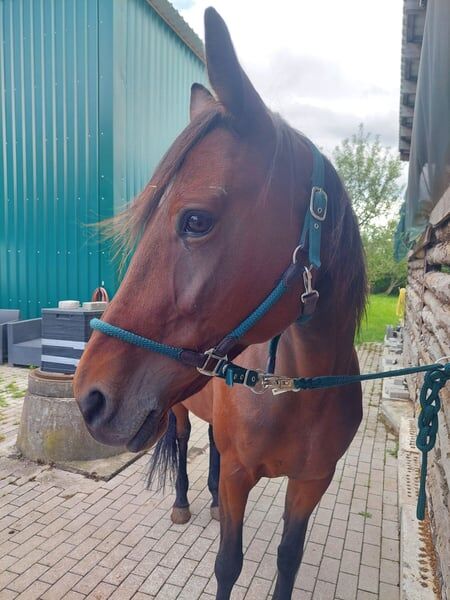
x=7, y=315
x=24, y=342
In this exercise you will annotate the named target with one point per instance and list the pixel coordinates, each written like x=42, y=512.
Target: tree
x=384, y=272
x=371, y=175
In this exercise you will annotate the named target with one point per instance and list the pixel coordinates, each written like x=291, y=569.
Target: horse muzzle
x=136, y=429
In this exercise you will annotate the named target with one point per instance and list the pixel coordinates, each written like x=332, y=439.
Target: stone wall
x=427, y=338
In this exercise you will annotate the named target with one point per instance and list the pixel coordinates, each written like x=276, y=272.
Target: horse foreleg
x=180, y=511
x=214, y=473
x=301, y=499
x=234, y=487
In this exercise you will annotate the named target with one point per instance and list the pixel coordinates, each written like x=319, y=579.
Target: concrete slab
x=101, y=468
x=392, y=412
x=417, y=565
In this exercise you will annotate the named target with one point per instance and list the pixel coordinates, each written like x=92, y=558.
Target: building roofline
x=176, y=22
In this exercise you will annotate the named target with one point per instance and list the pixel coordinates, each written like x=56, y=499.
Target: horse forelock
x=344, y=262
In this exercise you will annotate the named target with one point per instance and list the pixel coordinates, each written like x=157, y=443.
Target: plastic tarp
x=429, y=164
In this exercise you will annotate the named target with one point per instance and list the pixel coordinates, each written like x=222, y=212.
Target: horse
x=212, y=233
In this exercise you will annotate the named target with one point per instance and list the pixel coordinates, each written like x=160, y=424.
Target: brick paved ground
x=64, y=536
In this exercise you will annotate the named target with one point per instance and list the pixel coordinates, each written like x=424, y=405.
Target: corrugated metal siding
x=149, y=82
x=154, y=71
x=49, y=151
x=93, y=92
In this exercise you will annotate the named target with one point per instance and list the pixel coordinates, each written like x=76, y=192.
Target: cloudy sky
x=325, y=65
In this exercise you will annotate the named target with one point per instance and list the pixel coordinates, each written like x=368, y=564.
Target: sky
x=324, y=65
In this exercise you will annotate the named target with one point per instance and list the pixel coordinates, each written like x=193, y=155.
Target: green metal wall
x=92, y=93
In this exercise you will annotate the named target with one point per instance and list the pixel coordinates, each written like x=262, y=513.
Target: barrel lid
x=69, y=304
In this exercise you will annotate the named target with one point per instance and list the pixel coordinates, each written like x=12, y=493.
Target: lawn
x=380, y=312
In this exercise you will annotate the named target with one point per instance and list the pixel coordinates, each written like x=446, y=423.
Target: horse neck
x=324, y=346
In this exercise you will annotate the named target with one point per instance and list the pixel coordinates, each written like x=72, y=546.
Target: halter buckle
x=213, y=369
x=318, y=212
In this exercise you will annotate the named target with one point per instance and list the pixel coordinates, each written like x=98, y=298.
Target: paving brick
x=54, y=573
x=27, y=578
x=370, y=555
x=102, y=592
x=368, y=579
x=155, y=580
x=148, y=563
x=313, y=553
x=34, y=591
x=89, y=581
x=205, y=568
x=388, y=591
x=324, y=591
x=346, y=586
x=128, y=587
x=334, y=547
x=73, y=596
x=258, y=588
x=306, y=578
x=194, y=588
x=338, y=528
x=390, y=549
x=389, y=572
x=350, y=562
x=329, y=570
x=6, y=577
x=318, y=533
x=61, y=587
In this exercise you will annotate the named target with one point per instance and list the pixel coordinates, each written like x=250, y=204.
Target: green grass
x=380, y=312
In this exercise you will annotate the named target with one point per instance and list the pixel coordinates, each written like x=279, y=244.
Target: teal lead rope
x=427, y=422
x=436, y=376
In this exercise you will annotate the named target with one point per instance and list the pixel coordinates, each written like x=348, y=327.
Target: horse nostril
x=92, y=406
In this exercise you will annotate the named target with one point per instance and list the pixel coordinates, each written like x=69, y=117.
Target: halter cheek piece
x=214, y=362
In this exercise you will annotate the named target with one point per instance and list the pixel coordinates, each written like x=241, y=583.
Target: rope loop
x=428, y=423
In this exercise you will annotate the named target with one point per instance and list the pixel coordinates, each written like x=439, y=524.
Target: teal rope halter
x=310, y=237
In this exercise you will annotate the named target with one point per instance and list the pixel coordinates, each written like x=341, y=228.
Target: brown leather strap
x=100, y=295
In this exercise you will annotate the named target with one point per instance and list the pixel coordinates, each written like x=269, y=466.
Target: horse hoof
x=180, y=516
x=215, y=513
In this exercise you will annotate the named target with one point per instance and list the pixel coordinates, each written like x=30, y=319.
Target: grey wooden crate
x=65, y=334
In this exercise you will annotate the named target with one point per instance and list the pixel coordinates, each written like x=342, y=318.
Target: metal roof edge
x=176, y=22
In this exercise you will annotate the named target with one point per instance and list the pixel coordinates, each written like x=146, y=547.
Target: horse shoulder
x=201, y=404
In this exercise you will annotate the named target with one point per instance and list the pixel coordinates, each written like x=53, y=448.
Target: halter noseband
x=214, y=362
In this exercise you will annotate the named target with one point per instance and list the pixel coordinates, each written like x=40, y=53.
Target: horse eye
x=196, y=223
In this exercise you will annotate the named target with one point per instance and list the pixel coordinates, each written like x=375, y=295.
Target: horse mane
x=343, y=271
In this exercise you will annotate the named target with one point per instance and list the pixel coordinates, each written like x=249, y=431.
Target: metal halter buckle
x=213, y=369
x=307, y=281
x=320, y=214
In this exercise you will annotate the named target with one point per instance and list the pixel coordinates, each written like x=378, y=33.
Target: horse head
x=215, y=229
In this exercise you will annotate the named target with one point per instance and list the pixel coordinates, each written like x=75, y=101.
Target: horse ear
x=201, y=99
x=232, y=86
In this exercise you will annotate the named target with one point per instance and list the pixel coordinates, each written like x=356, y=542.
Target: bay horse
x=213, y=231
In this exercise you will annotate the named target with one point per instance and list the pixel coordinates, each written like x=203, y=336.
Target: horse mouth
x=149, y=432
